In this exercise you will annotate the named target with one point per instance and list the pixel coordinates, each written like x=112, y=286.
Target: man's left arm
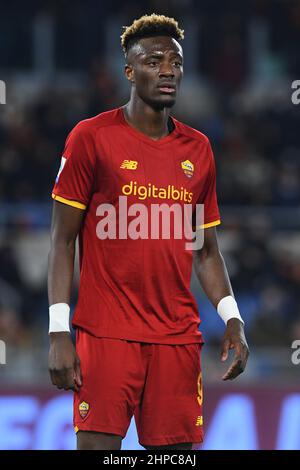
x=213, y=276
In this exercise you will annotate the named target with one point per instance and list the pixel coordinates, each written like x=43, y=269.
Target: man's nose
x=166, y=70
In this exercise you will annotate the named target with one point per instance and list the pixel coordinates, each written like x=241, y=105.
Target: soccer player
x=137, y=339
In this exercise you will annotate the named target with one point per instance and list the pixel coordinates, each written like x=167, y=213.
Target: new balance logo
x=199, y=421
x=129, y=165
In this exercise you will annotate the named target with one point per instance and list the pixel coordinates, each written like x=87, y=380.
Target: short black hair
x=149, y=26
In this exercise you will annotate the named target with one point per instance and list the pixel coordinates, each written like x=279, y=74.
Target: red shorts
x=159, y=384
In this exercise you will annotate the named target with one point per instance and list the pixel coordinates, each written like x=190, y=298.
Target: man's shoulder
x=190, y=132
x=92, y=124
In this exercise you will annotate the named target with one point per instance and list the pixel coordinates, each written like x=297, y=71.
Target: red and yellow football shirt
x=135, y=288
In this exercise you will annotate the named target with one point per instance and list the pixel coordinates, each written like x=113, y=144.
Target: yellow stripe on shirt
x=69, y=202
x=210, y=224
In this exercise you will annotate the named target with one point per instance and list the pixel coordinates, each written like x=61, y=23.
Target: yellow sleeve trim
x=76, y=429
x=210, y=224
x=68, y=202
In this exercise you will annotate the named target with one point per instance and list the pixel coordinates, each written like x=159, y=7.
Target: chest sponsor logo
x=129, y=165
x=188, y=168
x=152, y=191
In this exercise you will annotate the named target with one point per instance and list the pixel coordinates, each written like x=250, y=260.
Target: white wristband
x=227, y=308
x=59, y=318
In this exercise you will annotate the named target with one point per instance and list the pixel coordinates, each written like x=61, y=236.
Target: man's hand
x=234, y=338
x=64, y=364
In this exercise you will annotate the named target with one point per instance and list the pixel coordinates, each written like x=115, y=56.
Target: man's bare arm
x=213, y=276
x=66, y=223
x=64, y=364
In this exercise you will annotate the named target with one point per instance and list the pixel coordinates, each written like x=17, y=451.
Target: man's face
x=155, y=67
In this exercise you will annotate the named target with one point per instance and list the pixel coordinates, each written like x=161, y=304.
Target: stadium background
x=61, y=62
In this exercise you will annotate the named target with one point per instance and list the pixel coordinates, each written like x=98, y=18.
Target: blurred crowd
x=241, y=80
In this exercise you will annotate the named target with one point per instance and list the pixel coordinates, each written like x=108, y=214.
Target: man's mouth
x=167, y=88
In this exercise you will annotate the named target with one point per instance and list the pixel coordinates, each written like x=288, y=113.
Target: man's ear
x=129, y=72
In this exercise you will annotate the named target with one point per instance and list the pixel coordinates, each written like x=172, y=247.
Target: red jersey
x=135, y=288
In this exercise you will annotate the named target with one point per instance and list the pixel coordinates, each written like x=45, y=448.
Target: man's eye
x=177, y=64
x=152, y=63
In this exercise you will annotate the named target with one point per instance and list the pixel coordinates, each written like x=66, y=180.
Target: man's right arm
x=64, y=364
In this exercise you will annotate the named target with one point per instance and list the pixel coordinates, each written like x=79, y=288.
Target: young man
x=138, y=344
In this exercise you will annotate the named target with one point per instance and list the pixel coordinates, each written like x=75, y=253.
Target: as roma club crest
x=84, y=409
x=188, y=168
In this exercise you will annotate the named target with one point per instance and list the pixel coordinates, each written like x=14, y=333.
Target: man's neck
x=153, y=123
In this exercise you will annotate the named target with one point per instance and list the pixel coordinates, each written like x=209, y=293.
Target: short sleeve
x=75, y=178
x=209, y=194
